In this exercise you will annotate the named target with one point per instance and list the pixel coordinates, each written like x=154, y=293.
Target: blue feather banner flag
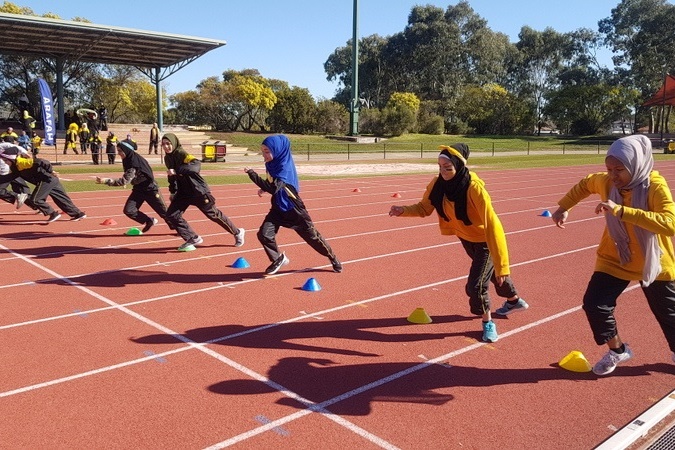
x=47, y=112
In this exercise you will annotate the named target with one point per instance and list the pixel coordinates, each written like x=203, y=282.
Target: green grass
x=424, y=142
x=481, y=155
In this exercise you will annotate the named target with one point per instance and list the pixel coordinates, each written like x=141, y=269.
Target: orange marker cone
x=357, y=190
x=396, y=195
x=109, y=222
x=419, y=315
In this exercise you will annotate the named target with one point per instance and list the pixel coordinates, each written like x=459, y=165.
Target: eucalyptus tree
x=642, y=37
x=294, y=112
x=542, y=57
x=372, y=74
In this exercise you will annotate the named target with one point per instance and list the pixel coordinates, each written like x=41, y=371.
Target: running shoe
x=490, y=332
x=612, y=359
x=508, y=308
x=239, y=238
x=282, y=260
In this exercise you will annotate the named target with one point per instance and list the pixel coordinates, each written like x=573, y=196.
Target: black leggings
x=298, y=221
x=600, y=301
x=481, y=272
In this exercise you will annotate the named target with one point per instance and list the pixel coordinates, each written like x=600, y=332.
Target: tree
x=294, y=111
x=491, y=109
x=331, y=117
x=641, y=34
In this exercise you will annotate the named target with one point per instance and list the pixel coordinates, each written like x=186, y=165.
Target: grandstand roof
x=82, y=41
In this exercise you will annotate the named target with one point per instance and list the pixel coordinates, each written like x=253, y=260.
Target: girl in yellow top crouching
x=635, y=245
x=465, y=209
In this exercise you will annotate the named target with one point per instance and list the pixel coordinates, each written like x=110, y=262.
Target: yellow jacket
x=485, y=224
x=660, y=219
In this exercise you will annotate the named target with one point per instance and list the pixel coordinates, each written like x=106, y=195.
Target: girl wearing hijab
x=39, y=172
x=139, y=174
x=464, y=209
x=288, y=209
x=635, y=245
x=187, y=187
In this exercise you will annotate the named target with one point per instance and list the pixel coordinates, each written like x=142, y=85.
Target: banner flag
x=47, y=103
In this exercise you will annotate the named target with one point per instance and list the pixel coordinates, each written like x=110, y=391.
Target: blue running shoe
x=490, y=332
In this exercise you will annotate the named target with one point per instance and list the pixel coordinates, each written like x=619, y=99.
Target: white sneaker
x=239, y=238
x=611, y=359
x=20, y=200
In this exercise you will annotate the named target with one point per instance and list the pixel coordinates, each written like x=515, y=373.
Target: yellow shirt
x=485, y=224
x=660, y=219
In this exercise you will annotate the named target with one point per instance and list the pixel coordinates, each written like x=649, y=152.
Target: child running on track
x=464, y=209
x=635, y=245
x=187, y=187
x=288, y=209
x=39, y=172
x=139, y=174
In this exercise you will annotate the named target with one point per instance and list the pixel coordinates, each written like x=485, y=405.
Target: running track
x=115, y=341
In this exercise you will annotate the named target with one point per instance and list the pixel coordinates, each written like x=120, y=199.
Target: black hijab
x=134, y=160
x=456, y=188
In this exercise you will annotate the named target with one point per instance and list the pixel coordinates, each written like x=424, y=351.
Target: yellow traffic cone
x=419, y=316
x=575, y=361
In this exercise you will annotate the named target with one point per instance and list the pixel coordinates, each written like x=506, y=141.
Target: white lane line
x=202, y=347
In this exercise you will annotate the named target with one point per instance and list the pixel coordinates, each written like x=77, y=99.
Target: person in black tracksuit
x=187, y=187
x=288, y=209
x=39, y=172
x=139, y=174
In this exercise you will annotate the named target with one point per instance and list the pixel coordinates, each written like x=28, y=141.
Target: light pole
x=354, y=107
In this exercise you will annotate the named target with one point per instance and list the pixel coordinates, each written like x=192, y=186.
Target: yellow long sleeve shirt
x=659, y=219
x=485, y=224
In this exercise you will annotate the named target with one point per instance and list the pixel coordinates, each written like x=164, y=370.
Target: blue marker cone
x=241, y=263
x=311, y=285
x=546, y=213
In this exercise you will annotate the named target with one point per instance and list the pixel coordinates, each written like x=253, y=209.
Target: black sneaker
x=149, y=224
x=53, y=217
x=79, y=216
x=337, y=265
x=282, y=260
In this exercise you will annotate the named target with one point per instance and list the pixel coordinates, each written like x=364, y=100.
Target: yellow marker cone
x=575, y=361
x=419, y=316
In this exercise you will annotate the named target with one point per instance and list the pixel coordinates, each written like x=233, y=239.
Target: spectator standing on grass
x=288, y=210
x=84, y=138
x=187, y=188
x=102, y=118
x=144, y=188
x=95, y=144
x=28, y=122
x=111, y=147
x=635, y=245
x=464, y=209
x=39, y=172
x=35, y=143
x=154, y=139
x=71, y=139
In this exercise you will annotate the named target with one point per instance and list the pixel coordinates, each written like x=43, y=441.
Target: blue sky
x=291, y=40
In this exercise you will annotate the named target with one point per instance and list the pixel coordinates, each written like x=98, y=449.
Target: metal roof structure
x=157, y=55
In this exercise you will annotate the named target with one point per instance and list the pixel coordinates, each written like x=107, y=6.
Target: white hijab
x=635, y=153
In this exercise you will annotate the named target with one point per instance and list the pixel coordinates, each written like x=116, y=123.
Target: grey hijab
x=635, y=153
